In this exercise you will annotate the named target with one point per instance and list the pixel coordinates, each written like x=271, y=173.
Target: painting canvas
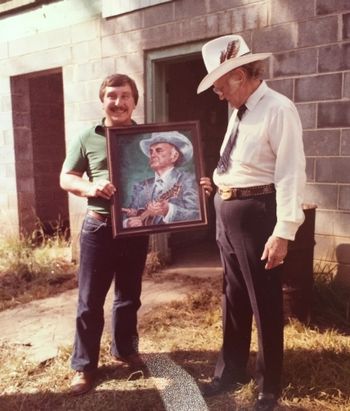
x=156, y=169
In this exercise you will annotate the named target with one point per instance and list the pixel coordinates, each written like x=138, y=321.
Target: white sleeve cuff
x=286, y=230
x=170, y=214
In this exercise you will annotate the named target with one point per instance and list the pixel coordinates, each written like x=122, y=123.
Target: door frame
x=155, y=101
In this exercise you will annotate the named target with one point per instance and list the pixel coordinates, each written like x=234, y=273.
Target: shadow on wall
x=342, y=253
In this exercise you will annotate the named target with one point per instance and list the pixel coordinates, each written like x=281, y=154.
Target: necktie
x=158, y=189
x=224, y=160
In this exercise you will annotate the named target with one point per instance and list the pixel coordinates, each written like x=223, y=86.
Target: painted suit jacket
x=185, y=201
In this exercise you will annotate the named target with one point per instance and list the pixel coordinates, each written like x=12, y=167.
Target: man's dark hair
x=118, y=80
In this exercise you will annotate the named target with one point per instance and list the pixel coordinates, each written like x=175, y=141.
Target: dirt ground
x=43, y=326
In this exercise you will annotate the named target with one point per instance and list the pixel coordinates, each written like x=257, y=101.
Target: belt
x=230, y=193
x=98, y=216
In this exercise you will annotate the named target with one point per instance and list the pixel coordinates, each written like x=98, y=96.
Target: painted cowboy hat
x=181, y=142
x=224, y=54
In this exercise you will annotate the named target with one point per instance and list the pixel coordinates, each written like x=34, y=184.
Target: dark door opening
x=38, y=118
x=183, y=104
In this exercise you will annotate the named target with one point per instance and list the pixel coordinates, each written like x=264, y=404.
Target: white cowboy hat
x=181, y=142
x=224, y=54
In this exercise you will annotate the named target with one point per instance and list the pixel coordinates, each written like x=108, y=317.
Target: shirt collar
x=164, y=176
x=255, y=97
x=100, y=128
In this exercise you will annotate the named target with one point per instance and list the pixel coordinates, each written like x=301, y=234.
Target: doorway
x=176, y=99
x=38, y=120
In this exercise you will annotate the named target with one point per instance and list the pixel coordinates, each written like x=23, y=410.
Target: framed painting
x=156, y=169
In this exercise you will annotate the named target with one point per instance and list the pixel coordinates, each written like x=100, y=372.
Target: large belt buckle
x=227, y=193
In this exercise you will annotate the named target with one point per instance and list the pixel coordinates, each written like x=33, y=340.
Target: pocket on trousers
x=92, y=225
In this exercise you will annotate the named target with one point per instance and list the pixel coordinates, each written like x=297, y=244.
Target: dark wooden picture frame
x=128, y=156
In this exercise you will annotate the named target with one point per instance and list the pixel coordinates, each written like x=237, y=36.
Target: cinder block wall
x=310, y=40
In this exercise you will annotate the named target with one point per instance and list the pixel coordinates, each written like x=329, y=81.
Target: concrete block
x=89, y=71
x=3, y=201
x=314, y=88
x=346, y=26
x=5, y=87
x=89, y=110
x=214, y=24
x=333, y=170
x=6, y=120
x=162, y=36
x=74, y=92
x=321, y=142
x=284, y=87
x=121, y=43
x=328, y=7
x=295, y=63
x=5, y=103
x=224, y=22
x=163, y=13
x=335, y=57
x=249, y=18
x=335, y=223
x=108, y=66
x=218, y=5
x=290, y=10
x=344, y=197
x=8, y=137
x=80, y=52
x=128, y=22
x=107, y=27
x=4, y=50
x=129, y=62
x=345, y=143
x=275, y=38
x=324, y=251
x=334, y=114
x=310, y=169
x=188, y=9
x=324, y=195
x=88, y=30
x=319, y=31
x=92, y=89
x=346, y=87
x=307, y=113
x=43, y=60
x=39, y=41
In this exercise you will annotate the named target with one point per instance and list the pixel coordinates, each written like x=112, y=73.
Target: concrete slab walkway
x=44, y=325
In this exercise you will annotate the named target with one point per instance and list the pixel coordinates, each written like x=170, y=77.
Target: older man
x=172, y=194
x=260, y=179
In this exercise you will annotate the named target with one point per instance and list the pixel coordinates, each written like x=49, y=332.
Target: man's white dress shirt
x=269, y=149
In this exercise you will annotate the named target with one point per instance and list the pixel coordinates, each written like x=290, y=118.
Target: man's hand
x=134, y=222
x=101, y=188
x=205, y=182
x=130, y=212
x=155, y=208
x=275, y=251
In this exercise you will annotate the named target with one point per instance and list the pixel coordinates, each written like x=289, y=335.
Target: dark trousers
x=243, y=227
x=103, y=259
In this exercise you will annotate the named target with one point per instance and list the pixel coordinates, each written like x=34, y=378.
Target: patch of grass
x=317, y=356
x=30, y=270
x=316, y=367
x=331, y=305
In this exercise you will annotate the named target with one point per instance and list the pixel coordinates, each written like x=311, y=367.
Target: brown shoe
x=134, y=361
x=82, y=382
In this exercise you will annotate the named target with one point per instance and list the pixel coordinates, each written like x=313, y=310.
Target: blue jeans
x=103, y=259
